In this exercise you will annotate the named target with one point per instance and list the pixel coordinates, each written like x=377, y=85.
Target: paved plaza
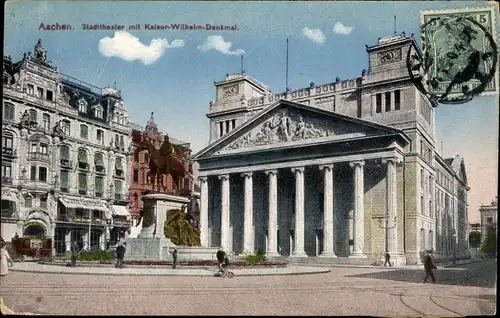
x=465, y=290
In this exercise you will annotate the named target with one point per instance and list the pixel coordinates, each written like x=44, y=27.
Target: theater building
x=345, y=170
x=65, y=156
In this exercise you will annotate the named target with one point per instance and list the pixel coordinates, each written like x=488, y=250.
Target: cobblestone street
x=343, y=291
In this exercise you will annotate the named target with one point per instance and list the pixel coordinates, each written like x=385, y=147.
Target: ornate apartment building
x=141, y=181
x=345, y=169
x=65, y=156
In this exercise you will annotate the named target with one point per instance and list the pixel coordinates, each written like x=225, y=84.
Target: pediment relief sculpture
x=285, y=126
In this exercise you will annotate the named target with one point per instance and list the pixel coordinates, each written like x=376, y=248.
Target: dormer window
x=98, y=112
x=82, y=105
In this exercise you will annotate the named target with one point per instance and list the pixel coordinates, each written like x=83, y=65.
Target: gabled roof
x=458, y=166
x=328, y=118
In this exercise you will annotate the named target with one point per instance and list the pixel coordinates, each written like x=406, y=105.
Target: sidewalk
x=134, y=271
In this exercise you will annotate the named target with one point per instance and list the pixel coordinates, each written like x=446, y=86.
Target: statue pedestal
x=151, y=243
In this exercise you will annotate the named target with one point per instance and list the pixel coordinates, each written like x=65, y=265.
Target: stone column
x=204, y=211
x=359, y=213
x=299, y=212
x=272, y=224
x=224, y=234
x=328, y=249
x=248, y=237
x=392, y=230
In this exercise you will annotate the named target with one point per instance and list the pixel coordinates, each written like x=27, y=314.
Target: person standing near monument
x=120, y=254
x=174, y=257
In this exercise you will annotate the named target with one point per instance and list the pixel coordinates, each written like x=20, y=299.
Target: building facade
x=488, y=216
x=140, y=179
x=343, y=169
x=65, y=156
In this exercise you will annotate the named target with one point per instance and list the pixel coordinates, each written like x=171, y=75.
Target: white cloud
x=339, y=28
x=314, y=35
x=217, y=43
x=129, y=48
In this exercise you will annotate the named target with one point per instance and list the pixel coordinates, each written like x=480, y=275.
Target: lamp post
x=454, y=247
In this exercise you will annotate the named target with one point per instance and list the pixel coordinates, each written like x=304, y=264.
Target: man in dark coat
x=120, y=254
x=221, y=257
x=387, y=259
x=429, y=266
x=174, y=257
x=75, y=249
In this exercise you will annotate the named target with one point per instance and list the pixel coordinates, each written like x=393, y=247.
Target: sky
x=171, y=72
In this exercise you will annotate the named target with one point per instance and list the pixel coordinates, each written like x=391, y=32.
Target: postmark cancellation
x=460, y=46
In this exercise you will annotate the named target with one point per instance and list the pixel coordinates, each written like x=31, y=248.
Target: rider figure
x=222, y=259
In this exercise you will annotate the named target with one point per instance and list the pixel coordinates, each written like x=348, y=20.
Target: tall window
x=7, y=142
x=8, y=111
x=98, y=112
x=422, y=204
x=39, y=92
x=66, y=126
x=422, y=178
x=44, y=149
x=99, y=162
x=33, y=173
x=422, y=239
x=50, y=95
x=82, y=159
x=136, y=175
x=82, y=106
x=42, y=174
x=118, y=189
x=122, y=143
x=100, y=137
x=117, y=141
x=33, y=115
x=431, y=212
x=46, y=122
x=31, y=89
x=82, y=183
x=388, y=101
x=431, y=239
x=84, y=131
x=233, y=122
x=121, y=121
x=43, y=202
x=397, y=100
x=119, y=167
x=221, y=129
x=99, y=187
x=6, y=170
x=378, y=103
x=136, y=156
x=64, y=180
x=64, y=154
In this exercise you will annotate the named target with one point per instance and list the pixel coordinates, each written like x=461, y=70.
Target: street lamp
x=454, y=245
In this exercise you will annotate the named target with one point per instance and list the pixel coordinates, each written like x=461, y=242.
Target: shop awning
x=9, y=196
x=84, y=204
x=120, y=210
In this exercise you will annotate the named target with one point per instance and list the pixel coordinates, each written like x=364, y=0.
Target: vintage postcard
x=249, y=158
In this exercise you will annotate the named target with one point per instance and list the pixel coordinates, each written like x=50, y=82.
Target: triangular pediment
x=286, y=124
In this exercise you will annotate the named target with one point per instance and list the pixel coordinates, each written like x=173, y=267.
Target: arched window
x=46, y=122
x=8, y=111
x=82, y=159
x=98, y=112
x=120, y=121
x=82, y=105
x=99, y=162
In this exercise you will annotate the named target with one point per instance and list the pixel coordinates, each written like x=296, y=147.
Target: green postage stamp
x=460, y=51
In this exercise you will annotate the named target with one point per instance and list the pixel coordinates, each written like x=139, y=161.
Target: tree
x=490, y=242
x=475, y=239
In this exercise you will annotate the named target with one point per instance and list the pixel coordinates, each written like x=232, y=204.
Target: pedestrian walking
x=174, y=257
x=429, y=267
x=120, y=254
x=75, y=249
x=387, y=260
x=5, y=260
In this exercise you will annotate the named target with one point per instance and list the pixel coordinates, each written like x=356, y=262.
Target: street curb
x=208, y=274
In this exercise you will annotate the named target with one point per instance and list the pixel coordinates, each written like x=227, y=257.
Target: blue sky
x=178, y=85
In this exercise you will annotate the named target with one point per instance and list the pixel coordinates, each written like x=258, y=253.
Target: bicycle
x=225, y=272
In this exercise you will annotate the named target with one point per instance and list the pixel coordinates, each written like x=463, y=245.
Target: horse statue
x=168, y=160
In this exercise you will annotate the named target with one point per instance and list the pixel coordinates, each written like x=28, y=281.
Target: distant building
x=348, y=168
x=488, y=216
x=141, y=181
x=65, y=154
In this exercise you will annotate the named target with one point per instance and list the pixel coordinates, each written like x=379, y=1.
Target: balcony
x=100, y=169
x=119, y=174
x=78, y=218
x=38, y=156
x=83, y=166
x=82, y=191
x=99, y=194
x=9, y=153
x=65, y=163
x=121, y=221
x=6, y=180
